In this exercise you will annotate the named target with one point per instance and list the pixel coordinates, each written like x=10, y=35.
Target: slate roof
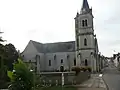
x=38, y=46
x=85, y=5
x=54, y=47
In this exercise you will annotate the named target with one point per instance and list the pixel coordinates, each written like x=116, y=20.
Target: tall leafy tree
x=21, y=77
x=8, y=54
x=11, y=55
x=3, y=67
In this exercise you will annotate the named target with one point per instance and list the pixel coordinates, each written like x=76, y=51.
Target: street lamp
x=33, y=78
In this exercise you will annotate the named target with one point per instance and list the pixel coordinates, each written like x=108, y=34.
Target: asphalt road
x=112, y=77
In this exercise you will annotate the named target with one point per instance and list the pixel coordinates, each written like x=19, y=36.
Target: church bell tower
x=84, y=34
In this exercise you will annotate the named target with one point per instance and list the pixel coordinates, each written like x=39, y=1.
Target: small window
x=61, y=60
x=86, y=62
x=85, y=42
x=67, y=56
x=54, y=57
x=75, y=62
x=86, y=24
x=83, y=24
x=49, y=62
x=39, y=61
x=77, y=42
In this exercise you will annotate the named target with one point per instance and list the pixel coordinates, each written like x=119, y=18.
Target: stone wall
x=69, y=78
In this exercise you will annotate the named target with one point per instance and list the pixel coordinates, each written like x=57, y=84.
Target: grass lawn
x=58, y=88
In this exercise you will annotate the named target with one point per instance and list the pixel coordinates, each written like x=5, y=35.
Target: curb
x=105, y=83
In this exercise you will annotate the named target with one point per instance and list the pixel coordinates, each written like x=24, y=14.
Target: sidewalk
x=94, y=83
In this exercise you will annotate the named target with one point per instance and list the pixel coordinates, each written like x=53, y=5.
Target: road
x=112, y=77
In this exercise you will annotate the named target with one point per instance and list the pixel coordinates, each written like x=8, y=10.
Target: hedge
x=79, y=69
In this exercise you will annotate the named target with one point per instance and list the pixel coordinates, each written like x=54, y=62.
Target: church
x=81, y=52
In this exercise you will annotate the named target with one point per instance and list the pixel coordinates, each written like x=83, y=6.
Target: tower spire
x=85, y=6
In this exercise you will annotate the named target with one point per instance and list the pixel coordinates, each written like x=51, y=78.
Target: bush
x=21, y=78
x=89, y=69
x=86, y=68
x=76, y=69
x=83, y=68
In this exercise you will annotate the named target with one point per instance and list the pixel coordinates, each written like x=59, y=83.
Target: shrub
x=76, y=69
x=86, y=68
x=21, y=77
x=83, y=69
x=89, y=69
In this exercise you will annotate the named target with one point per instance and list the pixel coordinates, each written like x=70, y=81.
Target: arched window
x=86, y=62
x=61, y=61
x=85, y=42
x=54, y=57
x=83, y=24
x=77, y=42
x=74, y=61
x=86, y=23
x=62, y=68
x=49, y=62
x=67, y=56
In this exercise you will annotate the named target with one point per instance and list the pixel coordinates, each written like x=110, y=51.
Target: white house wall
x=116, y=61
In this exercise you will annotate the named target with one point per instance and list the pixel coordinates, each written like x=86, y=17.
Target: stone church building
x=81, y=52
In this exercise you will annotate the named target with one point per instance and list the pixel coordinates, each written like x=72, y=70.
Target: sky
x=48, y=21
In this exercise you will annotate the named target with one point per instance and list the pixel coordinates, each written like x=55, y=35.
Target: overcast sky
x=53, y=21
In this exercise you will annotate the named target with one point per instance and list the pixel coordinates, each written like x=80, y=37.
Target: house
x=116, y=59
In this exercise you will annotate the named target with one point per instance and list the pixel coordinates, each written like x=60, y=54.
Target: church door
x=86, y=62
x=61, y=68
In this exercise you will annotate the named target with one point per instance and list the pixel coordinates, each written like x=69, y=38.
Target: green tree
x=21, y=77
x=3, y=68
x=11, y=55
x=8, y=54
